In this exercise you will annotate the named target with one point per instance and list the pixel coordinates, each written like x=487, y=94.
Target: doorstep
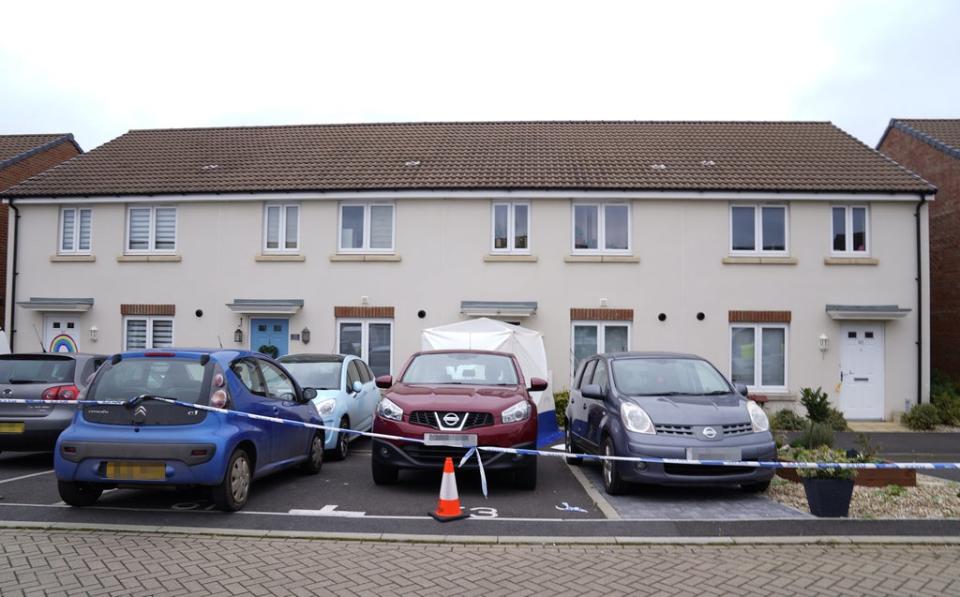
x=876, y=427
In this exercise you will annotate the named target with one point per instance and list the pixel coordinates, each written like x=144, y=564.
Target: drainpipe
x=923, y=199
x=13, y=279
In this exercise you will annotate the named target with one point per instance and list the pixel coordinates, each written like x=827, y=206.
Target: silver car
x=41, y=376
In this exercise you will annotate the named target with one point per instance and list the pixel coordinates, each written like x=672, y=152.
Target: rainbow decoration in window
x=63, y=343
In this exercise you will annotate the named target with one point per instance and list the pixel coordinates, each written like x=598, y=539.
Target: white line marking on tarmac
x=328, y=510
x=26, y=476
x=608, y=510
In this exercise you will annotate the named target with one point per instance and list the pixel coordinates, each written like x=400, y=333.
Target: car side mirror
x=384, y=382
x=357, y=387
x=741, y=389
x=309, y=394
x=594, y=391
x=537, y=384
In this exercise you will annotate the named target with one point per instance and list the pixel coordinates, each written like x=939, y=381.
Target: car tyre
x=760, y=487
x=232, y=493
x=613, y=484
x=343, y=441
x=526, y=477
x=384, y=474
x=314, y=461
x=79, y=494
x=571, y=447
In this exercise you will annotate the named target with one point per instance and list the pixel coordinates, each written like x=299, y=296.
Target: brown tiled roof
x=703, y=156
x=15, y=147
x=941, y=133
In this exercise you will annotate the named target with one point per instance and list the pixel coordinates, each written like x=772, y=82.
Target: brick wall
x=363, y=312
x=943, y=171
x=15, y=174
x=759, y=316
x=167, y=310
x=600, y=314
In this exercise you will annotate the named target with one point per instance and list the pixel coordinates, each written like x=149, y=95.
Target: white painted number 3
x=482, y=512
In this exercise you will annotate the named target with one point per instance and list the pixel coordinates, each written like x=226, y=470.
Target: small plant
x=824, y=454
x=815, y=436
x=948, y=407
x=836, y=420
x=560, y=401
x=787, y=420
x=866, y=448
x=922, y=417
x=894, y=491
x=817, y=404
x=270, y=350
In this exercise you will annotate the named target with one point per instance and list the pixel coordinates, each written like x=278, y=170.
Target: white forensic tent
x=489, y=334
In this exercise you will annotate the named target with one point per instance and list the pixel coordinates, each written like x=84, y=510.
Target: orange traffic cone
x=448, y=507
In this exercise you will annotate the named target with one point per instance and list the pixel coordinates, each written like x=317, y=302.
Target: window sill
x=601, y=259
x=760, y=261
x=506, y=257
x=339, y=257
x=270, y=257
x=73, y=258
x=850, y=261
x=149, y=258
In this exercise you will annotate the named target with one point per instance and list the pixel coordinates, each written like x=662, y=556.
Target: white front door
x=61, y=333
x=861, y=371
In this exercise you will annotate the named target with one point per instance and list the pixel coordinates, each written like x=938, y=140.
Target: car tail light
x=219, y=394
x=61, y=393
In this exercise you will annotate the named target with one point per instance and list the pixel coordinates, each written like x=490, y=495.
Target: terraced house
x=788, y=253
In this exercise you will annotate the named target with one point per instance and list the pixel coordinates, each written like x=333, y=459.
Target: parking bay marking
x=21, y=477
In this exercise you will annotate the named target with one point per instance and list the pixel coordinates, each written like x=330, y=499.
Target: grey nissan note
x=666, y=405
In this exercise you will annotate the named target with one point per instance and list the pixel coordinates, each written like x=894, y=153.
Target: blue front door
x=269, y=332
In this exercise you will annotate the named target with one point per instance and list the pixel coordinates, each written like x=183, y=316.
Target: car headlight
x=326, y=407
x=635, y=418
x=388, y=410
x=758, y=418
x=516, y=413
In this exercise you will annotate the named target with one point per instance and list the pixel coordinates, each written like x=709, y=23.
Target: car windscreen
x=320, y=376
x=659, y=377
x=40, y=369
x=461, y=368
x=181, y=379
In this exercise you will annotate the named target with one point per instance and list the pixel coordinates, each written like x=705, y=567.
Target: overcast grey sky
x=98, y=69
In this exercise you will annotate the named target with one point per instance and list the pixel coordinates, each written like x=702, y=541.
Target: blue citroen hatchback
x=145, y=442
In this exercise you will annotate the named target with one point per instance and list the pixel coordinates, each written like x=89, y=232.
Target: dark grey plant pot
x=828, y=498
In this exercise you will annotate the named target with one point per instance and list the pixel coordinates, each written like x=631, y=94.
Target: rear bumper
x=39, y=433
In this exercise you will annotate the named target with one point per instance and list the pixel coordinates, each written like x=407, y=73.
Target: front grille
x=428, y=418
x=704, y=470
x=674, y=429
x=738, y=429
x=434, y=454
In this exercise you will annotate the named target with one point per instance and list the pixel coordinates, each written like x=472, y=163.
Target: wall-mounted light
x=94, y=333
x=305, y=335
x=824, y=343
x=238, y=333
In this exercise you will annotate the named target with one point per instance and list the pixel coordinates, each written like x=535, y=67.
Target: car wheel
x=314, y=461
x=756, y=487
x=526, y=477
x=571, y=447
x=384, y=474
x=79, y=494
x=232, y=493
x=343, y=441
x=612, y=483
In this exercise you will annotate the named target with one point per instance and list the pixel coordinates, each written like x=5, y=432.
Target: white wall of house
x=442, y=245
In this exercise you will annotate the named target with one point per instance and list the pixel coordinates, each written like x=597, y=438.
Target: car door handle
x=276, y=409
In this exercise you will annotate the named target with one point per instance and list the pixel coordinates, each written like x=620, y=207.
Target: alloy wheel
x=608, y=465
x=240, y=480
x=317, y=453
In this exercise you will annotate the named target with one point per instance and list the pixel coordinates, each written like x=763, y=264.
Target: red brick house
x=21, y=157
x=931, y=148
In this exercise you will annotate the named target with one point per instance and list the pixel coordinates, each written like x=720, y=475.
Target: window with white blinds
x=141, y=333
x=367, y=228
x=75, y=230
x=152, y=229
x=281, y=228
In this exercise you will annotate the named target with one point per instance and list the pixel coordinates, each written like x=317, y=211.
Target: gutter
x=13, y=278
x=923, y=199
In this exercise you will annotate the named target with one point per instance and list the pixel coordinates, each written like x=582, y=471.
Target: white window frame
x=76, y=250
x=366, y=227
x=511, y=227
x=848, y=231
x=365, y=337
x=282, y=237
x=150, y=319
x=758, y=230
x=601, y=337
x=601, y=228
x=758, y=354
x=152, y=238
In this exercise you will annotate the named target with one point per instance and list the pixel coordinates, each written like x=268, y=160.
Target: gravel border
x=932, y=498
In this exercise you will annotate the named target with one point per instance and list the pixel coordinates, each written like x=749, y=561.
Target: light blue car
x=346, y=394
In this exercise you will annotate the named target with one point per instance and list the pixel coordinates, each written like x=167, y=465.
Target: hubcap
x=240, y=480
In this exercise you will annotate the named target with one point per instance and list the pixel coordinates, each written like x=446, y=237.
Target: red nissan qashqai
x=455, y=399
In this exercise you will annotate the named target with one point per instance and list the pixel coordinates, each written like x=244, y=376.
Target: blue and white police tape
x=475, y=450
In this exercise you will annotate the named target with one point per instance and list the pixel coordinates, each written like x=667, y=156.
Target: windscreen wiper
x=716, y=393
x=138, y=399
x=24, y=381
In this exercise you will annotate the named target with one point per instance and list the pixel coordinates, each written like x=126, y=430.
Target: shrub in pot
x=828, y=490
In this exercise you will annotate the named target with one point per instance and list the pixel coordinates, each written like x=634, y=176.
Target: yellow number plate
x=11, y=427
x=136, y=471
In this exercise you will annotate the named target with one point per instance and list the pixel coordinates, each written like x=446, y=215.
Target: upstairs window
x=366, y=228
x=75, y=229
x=758, y=230
x=511, y=227
x=601, y=228
x=152, y=229
x=850, y=232
x=281, y=228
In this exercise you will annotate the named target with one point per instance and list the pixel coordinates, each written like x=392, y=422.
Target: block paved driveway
x=93, y=563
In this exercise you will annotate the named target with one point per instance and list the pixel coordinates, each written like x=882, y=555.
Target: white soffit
x=60, y=305
x=867, y=312
x=266, y=306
